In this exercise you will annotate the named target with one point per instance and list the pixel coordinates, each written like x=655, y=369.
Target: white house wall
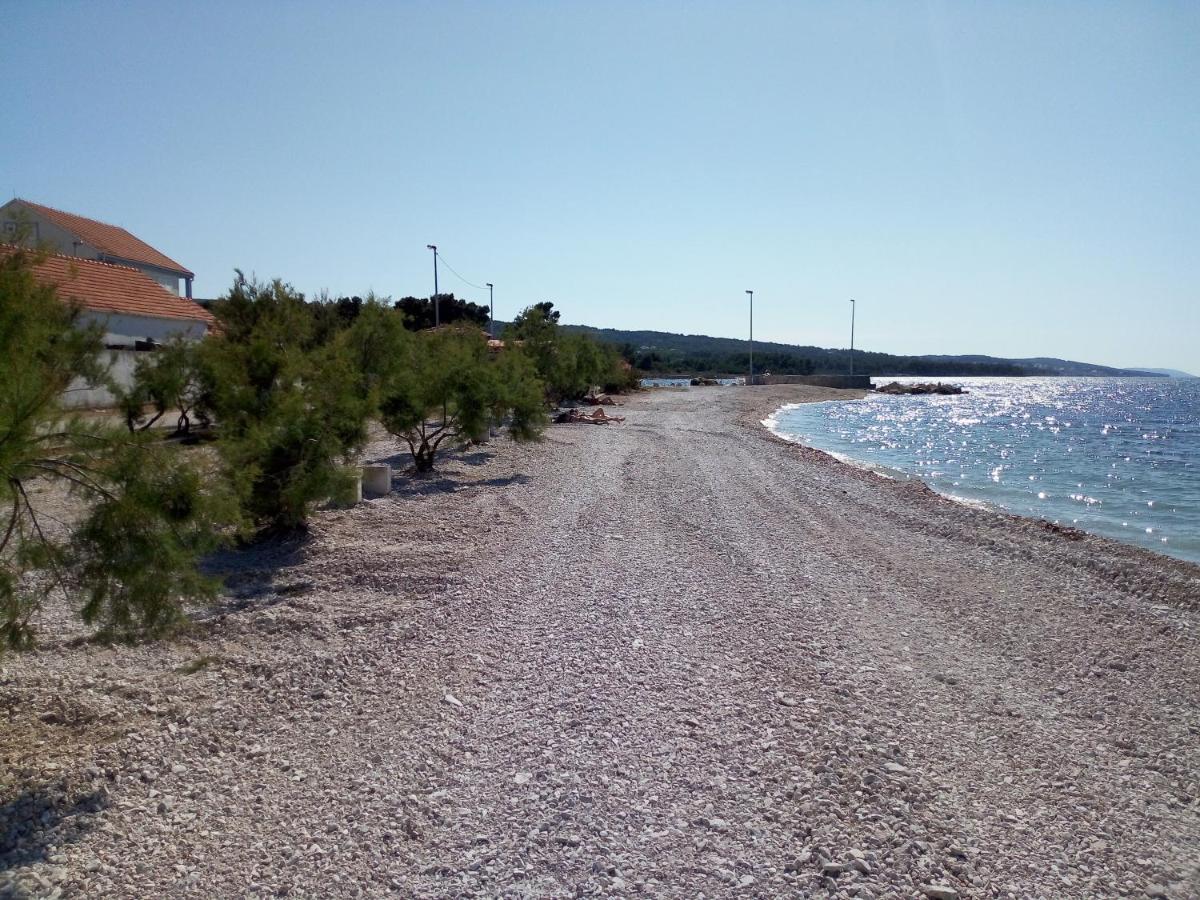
x=49, y=235
x=167, y=280
x=81, y=395
x=53, y=237
x=141, y=328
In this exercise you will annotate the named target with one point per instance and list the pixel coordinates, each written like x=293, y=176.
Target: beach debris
x=926, y=387
x=600, y=400
x=452, y=700
x=596, y=417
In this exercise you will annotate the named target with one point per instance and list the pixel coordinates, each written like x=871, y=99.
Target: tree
x=547, y=311
x=570, y=363
x=535, y=329
x=288, y=407
x=451, y=390
x=147, y=513
x=376, y=346
x=419, y=313
x=167, y=378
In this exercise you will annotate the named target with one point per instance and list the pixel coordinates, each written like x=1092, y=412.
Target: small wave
x=1085, y=451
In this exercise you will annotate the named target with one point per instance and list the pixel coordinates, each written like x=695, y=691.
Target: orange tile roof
x=109, y=239
x=104, y=287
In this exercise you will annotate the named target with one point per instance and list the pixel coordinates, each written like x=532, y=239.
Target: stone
x=452, y=700
x=939, y=892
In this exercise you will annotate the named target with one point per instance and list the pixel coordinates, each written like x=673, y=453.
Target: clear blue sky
x=1009, y=178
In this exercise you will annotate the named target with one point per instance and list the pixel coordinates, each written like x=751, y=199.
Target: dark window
x=29, y=229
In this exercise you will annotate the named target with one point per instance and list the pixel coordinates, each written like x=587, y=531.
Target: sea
x=1118, y=457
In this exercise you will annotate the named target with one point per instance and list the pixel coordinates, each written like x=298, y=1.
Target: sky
x=1016, y=179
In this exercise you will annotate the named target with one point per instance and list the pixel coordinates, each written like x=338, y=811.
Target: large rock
x=927, y=387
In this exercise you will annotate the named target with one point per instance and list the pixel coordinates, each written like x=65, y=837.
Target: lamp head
x=488, y=283
x=431, y=246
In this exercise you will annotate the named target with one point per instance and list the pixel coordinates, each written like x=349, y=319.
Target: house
x=72, y=235
x=131, y=306
x=118, y=279
x=128, y=303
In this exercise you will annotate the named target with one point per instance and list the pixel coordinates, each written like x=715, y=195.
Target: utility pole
x=437, y=318
x=492, y=312
x=851, y=337
x=751, y=381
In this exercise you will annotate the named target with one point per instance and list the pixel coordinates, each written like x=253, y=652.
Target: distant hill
x=1049, y=365
x=1170, y=373
x=663, y=352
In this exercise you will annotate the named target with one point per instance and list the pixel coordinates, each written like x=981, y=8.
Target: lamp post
x=491, y=311
x=751, y=381
x=437, y=318
x=851, y=337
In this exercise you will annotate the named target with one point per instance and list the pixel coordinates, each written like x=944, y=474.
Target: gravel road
x=676, y=658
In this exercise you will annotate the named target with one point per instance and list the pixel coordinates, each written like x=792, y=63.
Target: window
x=13, y=228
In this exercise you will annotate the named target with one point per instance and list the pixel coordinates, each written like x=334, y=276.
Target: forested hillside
x=665, y=353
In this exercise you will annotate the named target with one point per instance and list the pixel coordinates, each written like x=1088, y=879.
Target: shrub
x=451, y=389
x=167, y=378
x=132, y=558
x=571, y=364
x=289, y=411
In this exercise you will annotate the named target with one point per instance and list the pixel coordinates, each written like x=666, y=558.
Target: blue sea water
x=1114, y=456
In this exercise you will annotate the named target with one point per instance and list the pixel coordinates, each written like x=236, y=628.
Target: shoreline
x=677, y=656
x=1184, y=573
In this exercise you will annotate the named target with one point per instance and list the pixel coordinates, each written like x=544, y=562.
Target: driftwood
x=597, y=417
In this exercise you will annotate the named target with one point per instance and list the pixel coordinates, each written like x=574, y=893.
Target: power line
x=442, y=258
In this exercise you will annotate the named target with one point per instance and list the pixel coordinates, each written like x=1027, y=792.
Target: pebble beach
x=678, y=657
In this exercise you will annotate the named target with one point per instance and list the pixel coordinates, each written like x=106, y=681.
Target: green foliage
x=168, y=378
x=419, y=313
x=375, y=346
x=141, y=543
x=666, y=353
x=570, y=363
x=148, y=516
x=451, y=388
x=289, y=408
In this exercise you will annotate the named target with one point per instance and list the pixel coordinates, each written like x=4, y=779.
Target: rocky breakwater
x=926, y=387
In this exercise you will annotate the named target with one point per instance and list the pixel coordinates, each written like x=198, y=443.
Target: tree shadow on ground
x=440, y=483
x=41, y=818
x=402, y=461
x=249, y=571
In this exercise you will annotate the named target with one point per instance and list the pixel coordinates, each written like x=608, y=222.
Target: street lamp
x=492, y=313
x=851, y=337
x=751, y=381
x=437, y=318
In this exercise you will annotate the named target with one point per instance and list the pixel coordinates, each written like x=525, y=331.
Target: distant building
x=128, y=303
x=72, y=235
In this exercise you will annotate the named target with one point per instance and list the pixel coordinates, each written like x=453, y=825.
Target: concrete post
x=377, y=480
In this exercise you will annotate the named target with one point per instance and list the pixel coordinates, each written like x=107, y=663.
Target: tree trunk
x=423, y=458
